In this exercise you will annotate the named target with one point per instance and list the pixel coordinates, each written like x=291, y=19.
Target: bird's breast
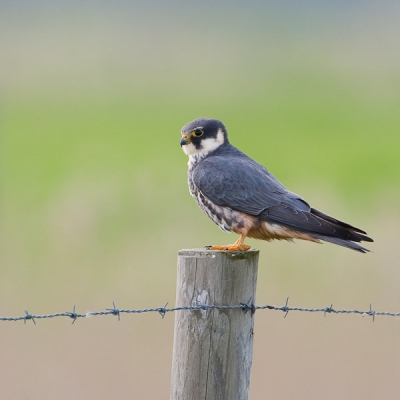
x=227, y=219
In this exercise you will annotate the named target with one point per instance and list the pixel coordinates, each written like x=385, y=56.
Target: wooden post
x=213, y=349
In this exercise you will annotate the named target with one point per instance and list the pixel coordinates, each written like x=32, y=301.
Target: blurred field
x=95, y=205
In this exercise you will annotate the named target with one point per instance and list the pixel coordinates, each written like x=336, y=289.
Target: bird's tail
x=354, y=234
x=342, y=242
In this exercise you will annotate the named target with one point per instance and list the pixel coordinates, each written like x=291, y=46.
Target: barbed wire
x=249, y=306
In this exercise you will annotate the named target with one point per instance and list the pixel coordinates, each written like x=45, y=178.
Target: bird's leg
x=237, y=246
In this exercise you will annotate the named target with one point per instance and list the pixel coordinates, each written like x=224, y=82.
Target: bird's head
x=202, y=136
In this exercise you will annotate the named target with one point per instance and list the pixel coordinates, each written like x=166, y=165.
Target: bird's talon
x=221, y=248
x=232, y=247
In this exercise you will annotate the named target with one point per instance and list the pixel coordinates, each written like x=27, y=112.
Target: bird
x=242, y=196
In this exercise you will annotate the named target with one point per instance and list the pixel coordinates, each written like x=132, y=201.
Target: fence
x=213, y=336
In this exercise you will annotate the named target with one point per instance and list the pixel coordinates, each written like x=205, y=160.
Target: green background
x=95, y=205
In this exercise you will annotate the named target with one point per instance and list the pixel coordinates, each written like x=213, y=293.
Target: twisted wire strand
x=248, y=306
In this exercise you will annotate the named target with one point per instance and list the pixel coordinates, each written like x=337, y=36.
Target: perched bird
x=242, y=196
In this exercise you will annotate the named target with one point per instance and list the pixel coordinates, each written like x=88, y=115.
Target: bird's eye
x=198, y=132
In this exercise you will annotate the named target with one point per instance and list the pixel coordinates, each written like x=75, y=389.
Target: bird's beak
x=185, y=140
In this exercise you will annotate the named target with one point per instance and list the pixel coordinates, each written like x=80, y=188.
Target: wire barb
x=249, y=306
x=29, y=316
x=286, y=308
x=114, y=311
x=163, y=310
x=328, y=310
x=371, y=312
x=73, y=315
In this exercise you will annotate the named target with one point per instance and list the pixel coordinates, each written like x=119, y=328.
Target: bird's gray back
x=229, y=178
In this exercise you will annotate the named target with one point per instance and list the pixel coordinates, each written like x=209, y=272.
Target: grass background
x=95, y=206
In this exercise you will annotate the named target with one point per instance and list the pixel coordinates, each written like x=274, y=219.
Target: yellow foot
x=232, y=247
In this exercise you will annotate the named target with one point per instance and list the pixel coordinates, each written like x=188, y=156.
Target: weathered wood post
x=213, y=348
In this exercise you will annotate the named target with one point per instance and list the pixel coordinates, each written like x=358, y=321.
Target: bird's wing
x=246, y=186
x=243, y=185
x=310, y=222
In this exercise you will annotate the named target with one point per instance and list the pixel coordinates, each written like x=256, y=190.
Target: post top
x=204, y=252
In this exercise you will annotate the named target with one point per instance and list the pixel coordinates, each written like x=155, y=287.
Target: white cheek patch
x=189, y=149
x=208, y=145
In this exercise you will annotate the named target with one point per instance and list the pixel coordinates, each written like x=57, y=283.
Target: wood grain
x=213, y=349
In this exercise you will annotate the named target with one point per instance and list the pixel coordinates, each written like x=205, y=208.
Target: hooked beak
x=185, y=140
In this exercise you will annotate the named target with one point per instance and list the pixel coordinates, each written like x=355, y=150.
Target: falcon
x=242, y=196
